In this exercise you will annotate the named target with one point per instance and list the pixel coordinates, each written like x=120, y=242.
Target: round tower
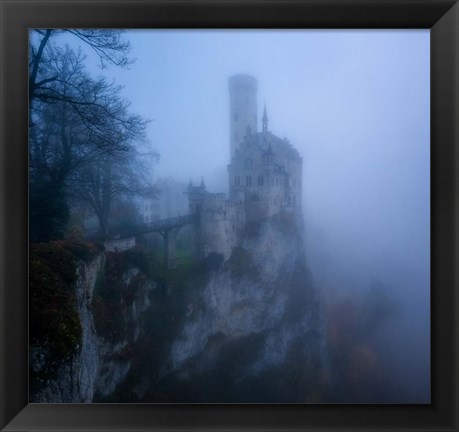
x=243, y=109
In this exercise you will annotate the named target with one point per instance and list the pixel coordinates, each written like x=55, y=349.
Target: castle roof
x=272, y=144
x=197, y=189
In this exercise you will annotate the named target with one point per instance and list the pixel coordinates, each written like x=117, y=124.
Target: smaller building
x=170, y=201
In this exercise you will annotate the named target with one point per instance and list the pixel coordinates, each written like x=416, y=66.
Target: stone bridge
x=168, y=228
x=163, y=225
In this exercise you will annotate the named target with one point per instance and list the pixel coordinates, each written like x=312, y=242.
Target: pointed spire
x=264, y=120
x=203, y=186
x=190, y=185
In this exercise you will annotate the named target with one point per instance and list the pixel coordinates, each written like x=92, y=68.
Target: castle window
x=255, y=197
x=294, y=200
x=237, y=180
x=277, y=181
x=248, y=164
x=260, y=180
x=248, y=180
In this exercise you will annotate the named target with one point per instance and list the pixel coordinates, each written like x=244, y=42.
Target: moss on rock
x=53, y=320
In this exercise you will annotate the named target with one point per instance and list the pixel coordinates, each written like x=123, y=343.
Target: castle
x=265, y=176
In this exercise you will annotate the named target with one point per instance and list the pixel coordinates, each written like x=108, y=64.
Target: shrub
x=53, y=317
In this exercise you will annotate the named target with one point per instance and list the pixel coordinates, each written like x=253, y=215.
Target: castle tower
x=243, y=109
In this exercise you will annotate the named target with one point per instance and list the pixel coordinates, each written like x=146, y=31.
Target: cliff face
x=245, y=329
x=254, y=332
x=99, y=360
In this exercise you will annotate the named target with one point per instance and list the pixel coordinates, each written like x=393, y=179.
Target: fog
x=356, y=106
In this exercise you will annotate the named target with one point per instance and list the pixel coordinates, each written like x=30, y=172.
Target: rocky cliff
x=106, y=328
x=102, y=307
x=254, y=331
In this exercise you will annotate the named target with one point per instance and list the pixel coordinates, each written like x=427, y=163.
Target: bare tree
x=108, y=44
x=117, y=175
x=80, y=123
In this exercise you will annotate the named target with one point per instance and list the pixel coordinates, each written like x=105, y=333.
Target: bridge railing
x=159, y=225
x=162, y=224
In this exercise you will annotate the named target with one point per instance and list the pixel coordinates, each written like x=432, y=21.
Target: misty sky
x=356, y=105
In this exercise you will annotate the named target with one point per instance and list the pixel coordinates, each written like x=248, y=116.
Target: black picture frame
x=441, y=16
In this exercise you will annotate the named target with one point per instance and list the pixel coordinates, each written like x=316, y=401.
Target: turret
x=264, y=121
